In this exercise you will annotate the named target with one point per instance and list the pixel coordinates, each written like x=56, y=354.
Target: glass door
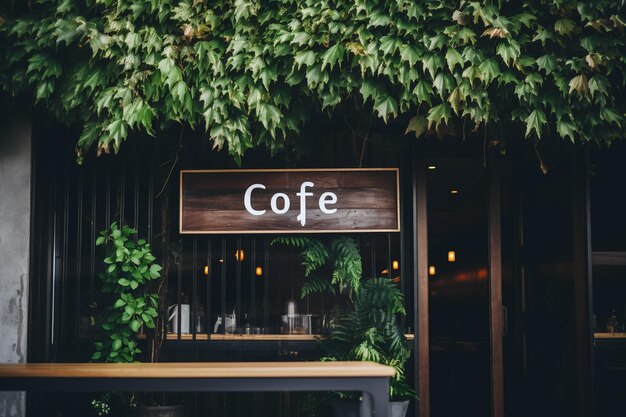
x=458, y=288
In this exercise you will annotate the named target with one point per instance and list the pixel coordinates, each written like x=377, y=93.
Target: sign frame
x=292, y=231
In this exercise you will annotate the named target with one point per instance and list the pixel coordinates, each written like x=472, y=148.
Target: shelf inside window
x=243, y=337
x=253, y=337
x=609, y=335
x=609, y=258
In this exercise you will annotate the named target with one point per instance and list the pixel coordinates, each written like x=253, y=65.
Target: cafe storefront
x=491, y=256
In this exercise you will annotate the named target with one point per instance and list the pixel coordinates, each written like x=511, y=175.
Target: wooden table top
x=197, y=370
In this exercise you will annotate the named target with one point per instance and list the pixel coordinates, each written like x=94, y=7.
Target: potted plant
x=129, y=275
x=366, y=328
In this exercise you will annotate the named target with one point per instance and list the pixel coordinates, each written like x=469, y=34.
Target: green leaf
x=454, y=58
x=410, y=54
x=443, y=83
x=332, y=56
x=534, y=79
x=472, y=73
x=546, y=63
x=417, y=124
x=269, y=115
x=611, y=116
x=123, y=282
x=315, y=76
x=135, y=325
x=423, y=91
x=566, y=129
x=170, y=73
x=432, y=63
x=96, y=356
x=44, y=90
x=598, y=84
x=154, y=271
x=117, y=344
x=306, y=57
x=134, y=284
x=119, y=303
x=386, y=106
x=535, y=121
x=489, y=69
x=509, y=51
x=464, y=36
x=100, y=240
x=389, y=44
x=378, y=18
x=455, y=100
x=564, y=26
x=439, y=113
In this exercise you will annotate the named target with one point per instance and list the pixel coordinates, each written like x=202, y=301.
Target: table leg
x=378, y=392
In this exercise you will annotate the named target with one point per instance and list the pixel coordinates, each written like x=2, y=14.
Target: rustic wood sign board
x=270, y=201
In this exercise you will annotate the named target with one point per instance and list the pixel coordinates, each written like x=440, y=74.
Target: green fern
x=314, y=256
x=295, y=241
x=348, y=267
x=368, y=330
x=316, y=286
x=342, y=257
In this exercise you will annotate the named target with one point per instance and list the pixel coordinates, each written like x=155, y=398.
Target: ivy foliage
x=251, y=73
x=129, y=267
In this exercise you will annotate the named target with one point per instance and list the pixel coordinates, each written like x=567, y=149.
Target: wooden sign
x=289, y=201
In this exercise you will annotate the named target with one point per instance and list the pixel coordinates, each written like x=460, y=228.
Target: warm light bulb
x=206, y=270
x=395, y=264
x=239, y=255
x=258, y=271
x=432, y=270
x=454, y=191
x=451, y=256
x=432, y=167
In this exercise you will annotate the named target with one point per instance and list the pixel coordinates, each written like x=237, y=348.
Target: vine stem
x=367, y=135
x=180, y=146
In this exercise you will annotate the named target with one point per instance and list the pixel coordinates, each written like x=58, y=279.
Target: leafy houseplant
x=340, y=259
x=129, y=272
x=130, y=266
x=367, y=328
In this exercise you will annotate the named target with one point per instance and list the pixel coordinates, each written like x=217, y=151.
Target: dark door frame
x=420, y=283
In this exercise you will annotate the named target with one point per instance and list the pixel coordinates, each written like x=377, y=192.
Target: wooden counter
x=370, y=378
x=196, y=370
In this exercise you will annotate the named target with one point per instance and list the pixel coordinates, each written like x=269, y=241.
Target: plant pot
x=352, y=408
x=157, y=411
x=398, y=408
x=363, y=408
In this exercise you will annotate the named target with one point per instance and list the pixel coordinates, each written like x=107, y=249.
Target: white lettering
x=328, y=198
x=303, y=195
x=286, y=203
x=248, y=197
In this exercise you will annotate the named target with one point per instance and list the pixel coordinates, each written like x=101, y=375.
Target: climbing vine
x=251, y=73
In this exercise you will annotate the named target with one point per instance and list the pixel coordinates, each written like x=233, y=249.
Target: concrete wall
x=15, y=174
